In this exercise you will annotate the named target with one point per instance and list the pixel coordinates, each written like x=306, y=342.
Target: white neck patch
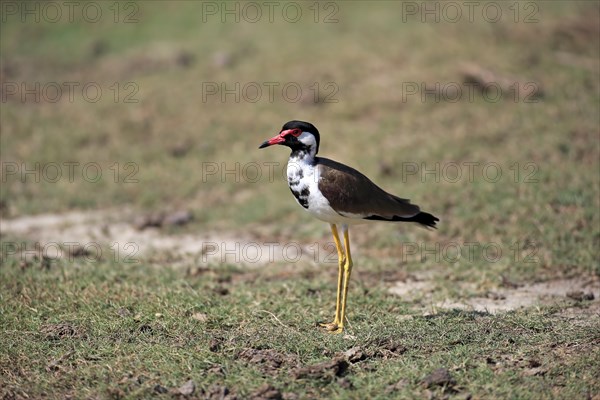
x=308, y=139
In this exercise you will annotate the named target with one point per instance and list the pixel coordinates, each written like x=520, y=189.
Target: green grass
x=172, y=136
x=130, y=330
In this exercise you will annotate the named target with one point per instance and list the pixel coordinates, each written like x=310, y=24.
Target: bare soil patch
x=131, y=236
x=584, y=290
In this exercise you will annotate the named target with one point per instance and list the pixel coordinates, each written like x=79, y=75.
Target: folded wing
x=353, y=195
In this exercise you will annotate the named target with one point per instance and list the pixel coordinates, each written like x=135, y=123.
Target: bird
x=341, y=196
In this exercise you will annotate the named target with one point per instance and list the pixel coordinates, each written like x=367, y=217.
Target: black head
x=297, y=135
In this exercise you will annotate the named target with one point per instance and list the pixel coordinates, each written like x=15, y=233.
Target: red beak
x=274, y=140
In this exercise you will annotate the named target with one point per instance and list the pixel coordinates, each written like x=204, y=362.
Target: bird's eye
x=296, y=132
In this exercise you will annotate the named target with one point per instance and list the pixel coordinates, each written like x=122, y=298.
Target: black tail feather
x=426, y=219
x=422, y=218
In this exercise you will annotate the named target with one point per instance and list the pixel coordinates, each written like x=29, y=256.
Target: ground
x=168, y=258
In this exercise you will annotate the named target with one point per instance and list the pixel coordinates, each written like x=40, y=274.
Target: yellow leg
x=341, y=261
x=347, y=272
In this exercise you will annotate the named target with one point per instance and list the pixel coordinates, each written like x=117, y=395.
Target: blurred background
x=160, y=107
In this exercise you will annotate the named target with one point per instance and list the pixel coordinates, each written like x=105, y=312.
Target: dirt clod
x=496, y=296
x=537, y=371
x=218, y=392
x=580, y=295
x=200, y=317
x=344, y=383
x=394, y=348
x=396, y=386
x=216, y=370
x=160, y=389
x=184, y=58
x=80, y=251
x=388, y=348
x=116, y=393
x=162, y=219
x=149, y=221
x=326, y=370
x=266, y=392
x=221, y=290
x=509, y=283
x=355, y=355
x=123, y=312
x=215, y=344
x=56, y=363
x=268, y=360
x=98, y=48
x=60, y=331
x=439, y=377
x=178, y=218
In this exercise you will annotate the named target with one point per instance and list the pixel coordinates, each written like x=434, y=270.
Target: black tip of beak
x=265, y=144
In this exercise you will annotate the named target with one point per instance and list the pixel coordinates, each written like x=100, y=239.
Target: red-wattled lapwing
x=339, y=195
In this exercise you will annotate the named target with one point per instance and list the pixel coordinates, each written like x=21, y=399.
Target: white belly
x=303, y=180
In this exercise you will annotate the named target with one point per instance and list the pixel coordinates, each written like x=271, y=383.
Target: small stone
x=188, y=388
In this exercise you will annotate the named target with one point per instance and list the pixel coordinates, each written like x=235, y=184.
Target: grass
x=112, y=329
x=112, y=332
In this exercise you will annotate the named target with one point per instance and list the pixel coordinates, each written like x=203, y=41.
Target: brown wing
x=349, y=191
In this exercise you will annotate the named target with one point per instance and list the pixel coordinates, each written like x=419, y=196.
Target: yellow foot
x=339, y=329
x=333, y=327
